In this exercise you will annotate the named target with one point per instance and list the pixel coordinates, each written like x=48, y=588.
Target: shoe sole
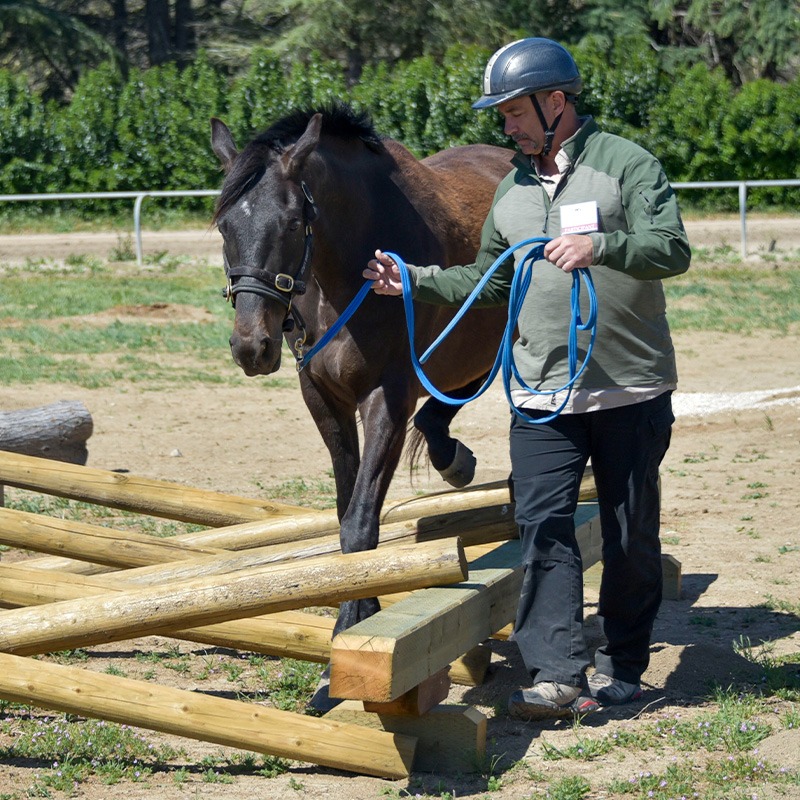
x=544, y=710
x=621, y=702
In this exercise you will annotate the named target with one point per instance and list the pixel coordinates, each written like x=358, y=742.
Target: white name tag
x=580, y=218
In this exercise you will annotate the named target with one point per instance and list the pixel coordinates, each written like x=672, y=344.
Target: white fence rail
x=138, y=198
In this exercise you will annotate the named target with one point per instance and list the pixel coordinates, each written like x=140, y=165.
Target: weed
x=290, y=685
x=71, y=750
x=573, y=787
x=124, y=249
x=776, y=604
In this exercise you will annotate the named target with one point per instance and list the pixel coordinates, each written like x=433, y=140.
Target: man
x=605, y=204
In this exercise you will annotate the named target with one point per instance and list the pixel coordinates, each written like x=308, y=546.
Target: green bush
x=761, y=137
x=151, y=129
x=27, y=141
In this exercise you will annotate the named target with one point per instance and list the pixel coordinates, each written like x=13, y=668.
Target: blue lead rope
x=505, y=358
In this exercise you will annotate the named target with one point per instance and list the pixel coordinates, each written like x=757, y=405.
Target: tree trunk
x=185, y=42
x=157, y=22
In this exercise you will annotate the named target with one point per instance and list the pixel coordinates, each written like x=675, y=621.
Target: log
x=230, y=723
x=133, y=493
x=276, y=523
x=167, y=560
x=58, y=431
x=286, y=634
x=159, y=610
x=92, y=543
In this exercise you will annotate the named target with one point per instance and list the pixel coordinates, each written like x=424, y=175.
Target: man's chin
x=528, y=148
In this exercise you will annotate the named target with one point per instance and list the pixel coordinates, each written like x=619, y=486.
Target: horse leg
x=361, y=486
x=450, y=457
x=384, y=414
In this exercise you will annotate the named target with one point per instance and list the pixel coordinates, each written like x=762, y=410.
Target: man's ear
x=558, y=100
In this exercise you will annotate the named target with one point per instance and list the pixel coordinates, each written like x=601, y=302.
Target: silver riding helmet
x=528, y=66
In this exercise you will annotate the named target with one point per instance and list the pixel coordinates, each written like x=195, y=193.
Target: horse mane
x=338, y=120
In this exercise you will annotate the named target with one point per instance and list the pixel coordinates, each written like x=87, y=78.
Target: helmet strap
x=549, y=130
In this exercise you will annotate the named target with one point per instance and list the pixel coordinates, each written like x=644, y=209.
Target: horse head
x=264, y=214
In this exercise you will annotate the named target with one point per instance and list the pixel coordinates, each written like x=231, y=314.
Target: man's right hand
x=384, y=271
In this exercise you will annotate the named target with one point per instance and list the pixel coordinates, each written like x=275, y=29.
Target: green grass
x=45, y=335
x=735, y=300
x=67, y=751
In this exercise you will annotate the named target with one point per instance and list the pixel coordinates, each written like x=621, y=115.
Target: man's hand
x=384, y=271
x=570, y=252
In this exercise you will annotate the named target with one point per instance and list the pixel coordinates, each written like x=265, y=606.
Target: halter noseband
x=279, y=286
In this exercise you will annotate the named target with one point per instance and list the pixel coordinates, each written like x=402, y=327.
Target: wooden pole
x=292, y=634
x=210, y=719
x=92, y=543
x=133, y=493
x=170, y=560
x=156, y=610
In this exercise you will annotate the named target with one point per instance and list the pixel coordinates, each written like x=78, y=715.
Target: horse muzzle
x=256, y=355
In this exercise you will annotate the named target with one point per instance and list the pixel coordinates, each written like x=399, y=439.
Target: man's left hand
x=570, y=252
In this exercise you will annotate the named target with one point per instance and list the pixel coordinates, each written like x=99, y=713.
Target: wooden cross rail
x=314, y=581
x=210, y=719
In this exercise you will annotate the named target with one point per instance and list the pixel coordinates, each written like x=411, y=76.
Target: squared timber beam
x=393, y=651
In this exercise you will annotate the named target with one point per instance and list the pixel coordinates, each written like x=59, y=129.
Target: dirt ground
x=730, y=517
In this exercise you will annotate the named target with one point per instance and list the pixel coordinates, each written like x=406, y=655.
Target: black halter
x=279, y=286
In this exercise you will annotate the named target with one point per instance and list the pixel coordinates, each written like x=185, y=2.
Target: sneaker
x=609, y=691
x=550, y=700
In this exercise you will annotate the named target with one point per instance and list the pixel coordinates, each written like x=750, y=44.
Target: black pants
x=626, y=446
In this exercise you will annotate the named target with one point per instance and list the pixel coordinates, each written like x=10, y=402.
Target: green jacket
x=641, y=240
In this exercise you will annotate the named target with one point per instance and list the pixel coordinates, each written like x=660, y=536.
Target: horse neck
x=343, y=232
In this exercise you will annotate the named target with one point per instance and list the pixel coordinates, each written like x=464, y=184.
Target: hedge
x=150, y=130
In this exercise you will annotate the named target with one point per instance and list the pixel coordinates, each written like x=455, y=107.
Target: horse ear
x=296, y=155
x=222, y=143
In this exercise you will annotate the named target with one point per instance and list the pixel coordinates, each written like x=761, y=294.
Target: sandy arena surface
x=730, y=517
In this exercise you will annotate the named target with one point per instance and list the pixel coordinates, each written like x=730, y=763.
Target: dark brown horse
x=303, y=208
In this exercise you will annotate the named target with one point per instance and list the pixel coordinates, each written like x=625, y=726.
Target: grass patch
x=734, y=300
x=67, y=751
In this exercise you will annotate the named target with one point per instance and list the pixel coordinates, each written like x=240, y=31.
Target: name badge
x=580, y=218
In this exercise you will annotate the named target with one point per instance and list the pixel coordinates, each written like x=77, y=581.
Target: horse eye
x=294, y=224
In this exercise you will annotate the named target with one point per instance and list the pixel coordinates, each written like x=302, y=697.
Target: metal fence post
x=743, y=216
x=137, y=227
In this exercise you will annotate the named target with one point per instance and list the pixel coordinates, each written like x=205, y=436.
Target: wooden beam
x=671, y=568
x=93, y=543
x=391, y=652
x=210, y=719
x=419, y=700
x=451, y=739
x=155, y=610
x=133, y=493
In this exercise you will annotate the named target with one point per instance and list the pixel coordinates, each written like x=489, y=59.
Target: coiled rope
x=505, y=356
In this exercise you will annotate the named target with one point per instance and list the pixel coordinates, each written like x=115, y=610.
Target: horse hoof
x=461, y=472
x=321, y=700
